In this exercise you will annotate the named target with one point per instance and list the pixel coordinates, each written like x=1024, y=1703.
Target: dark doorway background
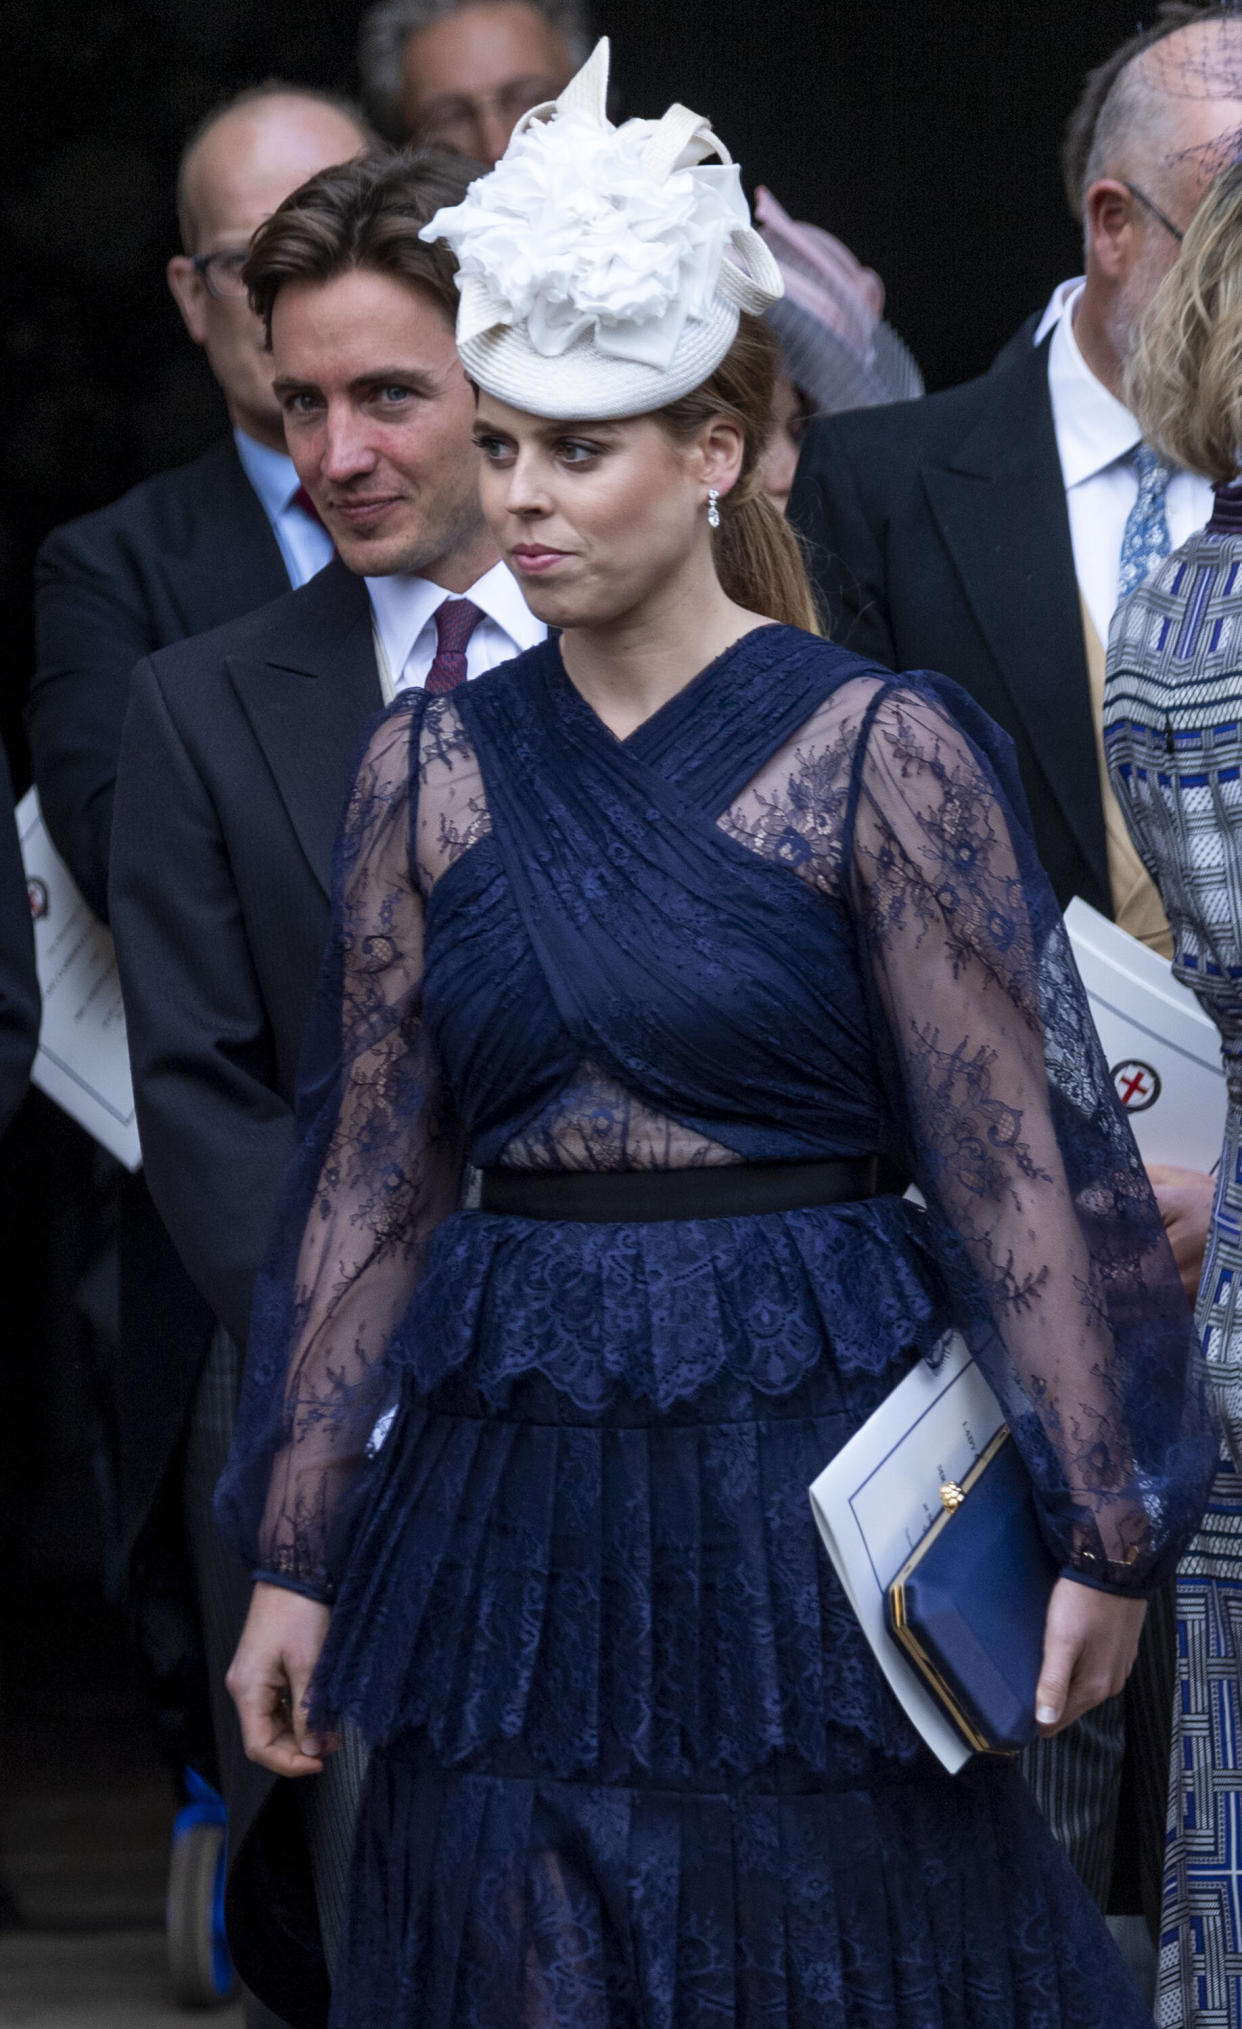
x=925, y=136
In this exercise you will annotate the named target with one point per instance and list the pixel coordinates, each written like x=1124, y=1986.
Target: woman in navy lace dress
x=671, y=928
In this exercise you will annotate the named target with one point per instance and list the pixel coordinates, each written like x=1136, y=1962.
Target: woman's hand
x=1090, y=1641
x=1185, y=1198
x=269, y=1679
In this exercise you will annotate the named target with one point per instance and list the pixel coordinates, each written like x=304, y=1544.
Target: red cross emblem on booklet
x=1137, y=1084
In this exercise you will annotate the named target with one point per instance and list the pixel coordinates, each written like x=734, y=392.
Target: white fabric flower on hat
x=603, y=269
x=574, y=231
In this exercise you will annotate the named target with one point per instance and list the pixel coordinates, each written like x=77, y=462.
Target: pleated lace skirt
x=635, y=1767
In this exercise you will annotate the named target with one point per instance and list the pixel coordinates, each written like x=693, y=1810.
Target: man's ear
x=1110, y=215
x=190, y=296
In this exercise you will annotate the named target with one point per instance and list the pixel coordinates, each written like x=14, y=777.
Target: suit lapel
x=234, y=564
x=999, y=505
x=308, y=703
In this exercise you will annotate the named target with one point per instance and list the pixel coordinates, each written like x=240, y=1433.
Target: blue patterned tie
x=1146, y=541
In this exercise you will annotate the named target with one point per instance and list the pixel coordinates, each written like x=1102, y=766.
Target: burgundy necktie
x=456, y=621
x=303, y=500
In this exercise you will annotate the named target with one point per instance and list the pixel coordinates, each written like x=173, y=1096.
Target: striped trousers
x=1111, y=1767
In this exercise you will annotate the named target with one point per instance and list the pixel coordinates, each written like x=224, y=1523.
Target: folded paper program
x=619, y=252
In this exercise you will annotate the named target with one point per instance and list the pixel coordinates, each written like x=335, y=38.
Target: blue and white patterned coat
x=1173, y=741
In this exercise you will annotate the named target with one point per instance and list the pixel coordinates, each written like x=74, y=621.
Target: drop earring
x=713, y=507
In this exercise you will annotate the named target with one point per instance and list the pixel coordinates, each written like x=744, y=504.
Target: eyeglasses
x=1155, y=210
x=456, y=120
x=221, y=273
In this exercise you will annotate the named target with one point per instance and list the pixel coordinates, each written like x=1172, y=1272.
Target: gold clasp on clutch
x=951, y=1496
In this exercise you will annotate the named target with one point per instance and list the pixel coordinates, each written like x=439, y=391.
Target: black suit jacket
x=237, y=758
x=940, y=540
x=179, y=554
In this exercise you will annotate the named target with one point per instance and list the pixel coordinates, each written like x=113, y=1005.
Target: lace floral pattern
x=596, y=1123
x=964, y=952
x=382, y=1156
x=912, y=1905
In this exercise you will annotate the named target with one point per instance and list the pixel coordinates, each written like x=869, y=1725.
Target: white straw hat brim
x=582, y=383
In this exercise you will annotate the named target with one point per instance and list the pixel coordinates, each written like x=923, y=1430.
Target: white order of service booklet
x=1162, y=1050
x=879, y=1496
x=83, y=1057
x=876, y=1499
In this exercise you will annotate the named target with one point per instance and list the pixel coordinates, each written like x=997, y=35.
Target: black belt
x=722, y=1191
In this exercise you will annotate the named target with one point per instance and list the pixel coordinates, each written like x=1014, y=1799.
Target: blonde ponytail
x=758, y=558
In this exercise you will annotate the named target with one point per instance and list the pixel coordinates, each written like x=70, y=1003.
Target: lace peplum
x=635, y=1596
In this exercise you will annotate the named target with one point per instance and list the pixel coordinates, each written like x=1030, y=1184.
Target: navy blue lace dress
x=634, y=1764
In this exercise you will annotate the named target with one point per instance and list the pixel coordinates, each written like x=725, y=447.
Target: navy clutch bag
x=967, y=1607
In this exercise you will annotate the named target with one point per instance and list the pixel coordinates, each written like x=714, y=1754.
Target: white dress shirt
x=304, y=543
x=404, y=611
x=1095, y=436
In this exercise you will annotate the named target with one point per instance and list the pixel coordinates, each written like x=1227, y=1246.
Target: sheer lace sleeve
x=1043, y=1216
x=378, y=1166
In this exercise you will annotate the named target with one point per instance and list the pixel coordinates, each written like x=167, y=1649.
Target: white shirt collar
x=1093, y=429
x=1063, y=294
x=404, y=605
x=271, y=473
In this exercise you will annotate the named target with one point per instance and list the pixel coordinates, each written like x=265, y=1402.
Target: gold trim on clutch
x=952, y=1497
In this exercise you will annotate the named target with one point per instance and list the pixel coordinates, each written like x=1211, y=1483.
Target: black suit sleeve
x=216, y=1139
x=19, y=985
x=91, y=627
x=846, y=554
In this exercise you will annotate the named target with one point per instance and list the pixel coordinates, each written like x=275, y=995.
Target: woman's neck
x=627, y=668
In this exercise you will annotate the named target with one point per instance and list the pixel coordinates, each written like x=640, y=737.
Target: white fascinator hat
x=603, y=269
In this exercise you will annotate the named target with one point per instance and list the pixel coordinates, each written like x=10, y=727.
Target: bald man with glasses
x=208, y=541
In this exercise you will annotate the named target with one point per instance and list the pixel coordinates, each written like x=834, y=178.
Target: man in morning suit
x=180, y=553
x=988, y=532
x=236, y=762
